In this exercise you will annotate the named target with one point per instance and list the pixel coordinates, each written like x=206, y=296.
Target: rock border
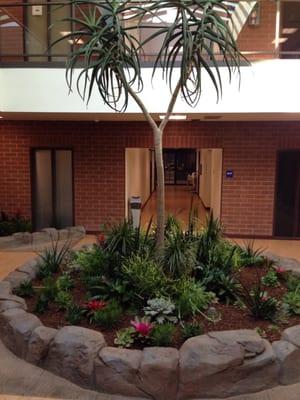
x=44, y=236
x=214, y=365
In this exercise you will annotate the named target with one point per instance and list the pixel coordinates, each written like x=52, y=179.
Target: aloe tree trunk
x=160, y=187
x=158, y=131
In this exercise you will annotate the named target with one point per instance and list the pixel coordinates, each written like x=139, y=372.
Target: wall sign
x=229, y=173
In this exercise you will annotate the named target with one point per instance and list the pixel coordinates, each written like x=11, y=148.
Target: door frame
x=278, y=152
x=53, y=171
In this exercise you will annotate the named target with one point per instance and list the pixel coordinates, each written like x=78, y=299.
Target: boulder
x=64, y=234
x=288, y=357
x=77, y=230
x=10, y=301
x=5, y=288
x=290, y=264
x=40, y=237
x=203, y=358
x=158, y=373
x=22, y=237
x=72, y=353
x=16, y=329
x=16, y=278
x=228, y=363
x=116, y=370
x=292, y=335
x=30, y=268
x=38, y=344
x=51, y=232
x=249, y=339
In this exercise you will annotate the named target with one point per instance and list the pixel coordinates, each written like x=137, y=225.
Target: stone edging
x=218, y=364
x=39, y=238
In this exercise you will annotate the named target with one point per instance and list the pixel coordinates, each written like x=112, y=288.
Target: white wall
x=137, y=172
x=271, y=86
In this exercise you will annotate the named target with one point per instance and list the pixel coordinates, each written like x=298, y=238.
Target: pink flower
x=264, y=298
x=142, y=327
x=280, y=270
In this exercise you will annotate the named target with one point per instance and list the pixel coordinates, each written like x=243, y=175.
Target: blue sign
x=229, y=173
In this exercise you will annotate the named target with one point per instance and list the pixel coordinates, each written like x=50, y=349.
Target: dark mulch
x=232, y=317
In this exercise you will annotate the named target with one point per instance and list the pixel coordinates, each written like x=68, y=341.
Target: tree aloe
x=108, y=51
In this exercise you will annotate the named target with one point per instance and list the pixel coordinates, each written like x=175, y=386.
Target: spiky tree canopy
x=108, y=51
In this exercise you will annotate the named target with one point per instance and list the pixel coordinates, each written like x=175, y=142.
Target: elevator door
x=52, y=188
x=287, y=216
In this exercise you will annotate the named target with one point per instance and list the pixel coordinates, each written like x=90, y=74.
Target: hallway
x=179, y=201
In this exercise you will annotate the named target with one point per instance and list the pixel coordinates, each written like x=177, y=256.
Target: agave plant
x=108, y=53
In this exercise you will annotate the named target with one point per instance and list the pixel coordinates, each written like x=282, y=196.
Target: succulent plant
x=125, y=337
x=160, y=310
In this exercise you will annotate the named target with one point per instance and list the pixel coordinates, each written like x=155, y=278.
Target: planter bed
x=243, y=324
x=232, y=316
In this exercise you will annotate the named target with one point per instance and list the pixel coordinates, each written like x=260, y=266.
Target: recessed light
x=175, y=117
x=1, y=116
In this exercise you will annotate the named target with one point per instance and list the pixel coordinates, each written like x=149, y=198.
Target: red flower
x=95, y=305
x=142, y=327
x=101, y=239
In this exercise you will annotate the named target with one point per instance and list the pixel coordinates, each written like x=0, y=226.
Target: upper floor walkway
x=264, y=29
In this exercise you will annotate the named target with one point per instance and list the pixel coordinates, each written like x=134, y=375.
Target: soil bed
x=232, y=316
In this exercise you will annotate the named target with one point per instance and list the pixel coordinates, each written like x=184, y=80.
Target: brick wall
x=261, y=37
x=99, y=157
x=11, y=38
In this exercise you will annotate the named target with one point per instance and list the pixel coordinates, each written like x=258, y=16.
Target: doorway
x=290, y=33
x=287, y=210
x=52, y=188
x=178, y=164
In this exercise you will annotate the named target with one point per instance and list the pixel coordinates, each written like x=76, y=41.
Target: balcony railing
x=27, y=31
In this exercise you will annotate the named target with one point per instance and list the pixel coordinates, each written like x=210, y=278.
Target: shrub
x=25, y=289
x=49, y=289
x=179, y=257
x=125, y=337
x=259, y=304
x=108, y=316
x=192, y=297
x=217, y=273
x=52, y=258
x=74, y=314
x=270, y=279
x=292, y=299
x=192, y=329
x=92, y=262
x=65, y=282
x=117, y=289
x=160, y=310
x=210, y=236
x=121, y=239
x=293, y=282
x=249, y=256
x=10, y=224
x=163, y=335
x=145, y=276
x=63, y=300
x=42, y=304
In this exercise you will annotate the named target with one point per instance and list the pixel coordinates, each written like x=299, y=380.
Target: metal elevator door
x=52, y=188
